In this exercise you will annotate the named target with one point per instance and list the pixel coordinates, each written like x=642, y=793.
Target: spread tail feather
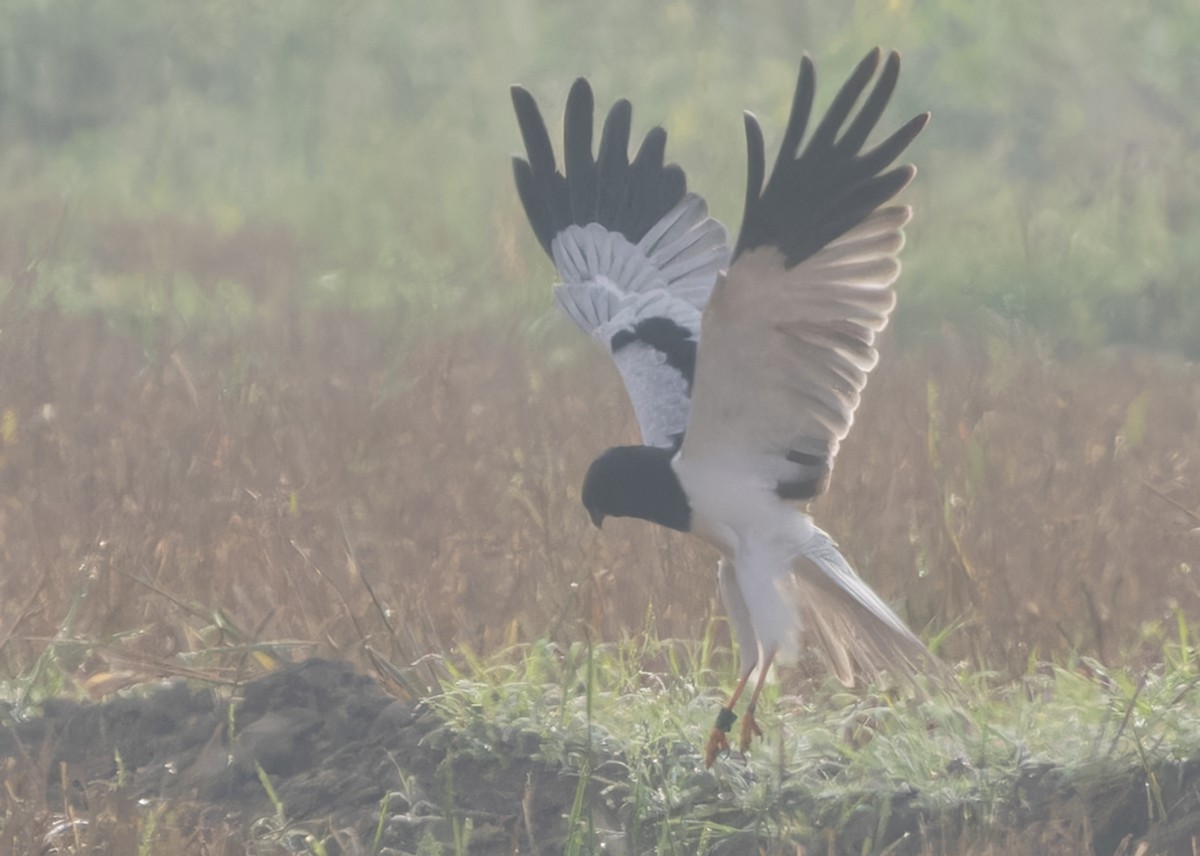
x=856, y=631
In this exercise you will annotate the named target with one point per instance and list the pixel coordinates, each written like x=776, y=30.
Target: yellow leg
x=718, y=739
x=750, y=728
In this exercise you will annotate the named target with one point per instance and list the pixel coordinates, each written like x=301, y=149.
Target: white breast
x=734, y=500
x=767, y=581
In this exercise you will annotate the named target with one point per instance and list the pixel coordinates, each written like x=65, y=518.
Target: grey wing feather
x=618, y=292
x=789, y=400
x=789, y=332
x=657, y=373
x=658, y=388
x=637, y=254
x=689, y=249
x=682, y=256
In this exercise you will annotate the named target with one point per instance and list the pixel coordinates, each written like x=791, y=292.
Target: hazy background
x=280, y=362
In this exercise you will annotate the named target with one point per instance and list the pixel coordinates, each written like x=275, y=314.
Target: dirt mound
x=316, y=757
x=339, y=759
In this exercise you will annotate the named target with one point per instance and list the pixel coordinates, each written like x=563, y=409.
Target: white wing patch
x=786, y=353
x=689, y=249
x=681, y=255
x=612, y=285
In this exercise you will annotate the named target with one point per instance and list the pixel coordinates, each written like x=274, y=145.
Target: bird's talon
x=717, y=742
x=750, y=730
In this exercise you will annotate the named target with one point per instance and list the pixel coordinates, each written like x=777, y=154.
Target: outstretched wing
x=637, y=254
x=789, y=332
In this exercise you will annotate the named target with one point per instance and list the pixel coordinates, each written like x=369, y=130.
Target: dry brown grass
x=200, y=497
x=1048, y=503
x=317, y=476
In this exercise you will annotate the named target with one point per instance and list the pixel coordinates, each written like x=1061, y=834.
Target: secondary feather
x=637, y=255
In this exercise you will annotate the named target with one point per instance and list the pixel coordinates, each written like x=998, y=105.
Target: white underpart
x=739, y=513
x=764, y=578
x=783, y=587
x=739, y=615
x=732, y=498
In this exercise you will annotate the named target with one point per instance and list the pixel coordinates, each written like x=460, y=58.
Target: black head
x=636, y=481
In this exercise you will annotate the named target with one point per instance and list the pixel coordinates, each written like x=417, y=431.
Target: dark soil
x=339, y=753
x=363, y=772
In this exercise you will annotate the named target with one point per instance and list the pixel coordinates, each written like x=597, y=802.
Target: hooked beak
x=597, y=517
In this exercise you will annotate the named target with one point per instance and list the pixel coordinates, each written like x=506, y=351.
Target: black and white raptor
x=745, y=367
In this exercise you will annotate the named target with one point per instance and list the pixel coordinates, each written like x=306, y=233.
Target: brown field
x=209, y=498
x=305, y=477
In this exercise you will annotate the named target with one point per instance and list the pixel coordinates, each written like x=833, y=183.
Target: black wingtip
x=612, y=162
x=540, y=218
x=831, y=185
x=578, y=162
x=537, y=176
x=846, y=98
x=533, y=131
x=577, y=119
x=883, y=154
x=802, y=101
x=755, y=171
x=808, y=67
x=623, y=196
x=853, y=137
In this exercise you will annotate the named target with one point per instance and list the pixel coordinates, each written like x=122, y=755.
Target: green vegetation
x=597, y=748
x=1076, y=750
x=148, y=148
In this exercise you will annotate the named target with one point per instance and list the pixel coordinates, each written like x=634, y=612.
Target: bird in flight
x=744, y=367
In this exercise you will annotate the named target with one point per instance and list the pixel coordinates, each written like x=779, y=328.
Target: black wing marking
x=789, y=332
x=815, y=196
x=624, y=197
x=676, y=343
x=638, y=255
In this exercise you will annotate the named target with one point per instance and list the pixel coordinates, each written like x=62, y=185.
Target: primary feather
x=636, y=253
x=810, y=286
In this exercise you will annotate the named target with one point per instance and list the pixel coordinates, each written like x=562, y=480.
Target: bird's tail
x=858, y=633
